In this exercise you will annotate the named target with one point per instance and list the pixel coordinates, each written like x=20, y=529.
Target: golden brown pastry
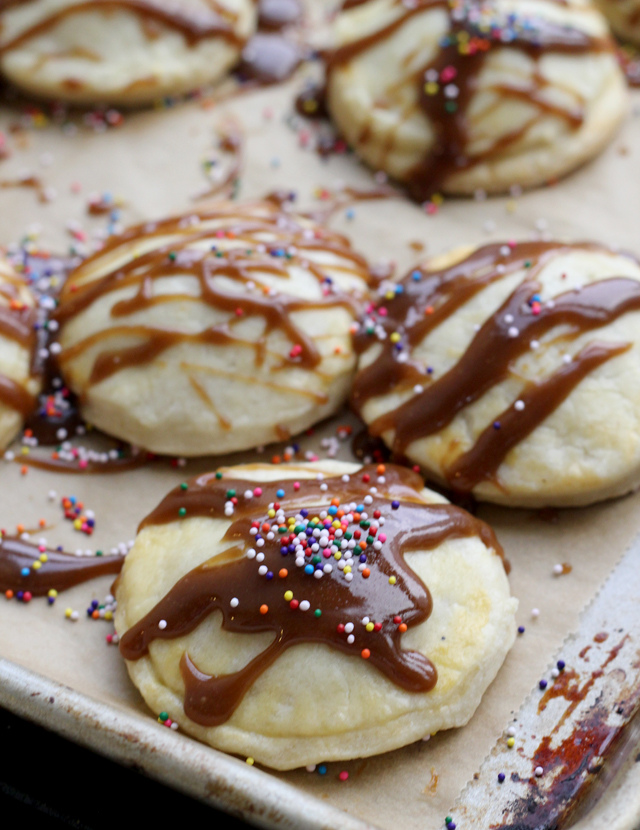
x=458, y=96
x=19, y=382
x=314, y=612
x=122, y=51
x=511, y=372
x=213, y=332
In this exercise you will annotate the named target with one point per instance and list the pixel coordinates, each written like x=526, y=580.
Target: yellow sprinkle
x=271, y=514
x=25, y=450
x=52, y=593
x=347, y=569
x=250, y=761
x=392, y=580
x=390, y=295
x=431, y=88
x=336, y=524
x=36, y=565
x=77, y=524
x=395, y=337
x=108, y=615
x=337, y=555
x=68, y=612
x=510, y=742
x=369, y=626
x=44, y=557
x=437, y=198
x=288, y=595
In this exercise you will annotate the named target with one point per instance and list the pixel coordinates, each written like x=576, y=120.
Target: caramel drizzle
x=448, y=154
x=413, y=525
x=59, y=572
x=17, y=324
x=236, y=264
x=217, y=22
x=489, y=358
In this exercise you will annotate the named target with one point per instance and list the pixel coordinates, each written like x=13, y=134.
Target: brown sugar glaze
x=409, y=524
x=290, y=244
x=56, y=570
x=425, y=303
x=448, y=117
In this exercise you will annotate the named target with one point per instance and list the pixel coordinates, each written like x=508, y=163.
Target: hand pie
x=124, y=52
x=457, y=96
x=213, y=332
x=313, y=612
x=19, y=382
x=511, y=373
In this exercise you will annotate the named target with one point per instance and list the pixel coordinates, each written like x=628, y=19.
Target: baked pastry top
x=19, y=380
x=454, y=96
x=213, y=332
x=313, y=612
x=120, y=51
x=511, y=372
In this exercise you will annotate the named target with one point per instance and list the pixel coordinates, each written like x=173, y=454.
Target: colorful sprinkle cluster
x=83, y=520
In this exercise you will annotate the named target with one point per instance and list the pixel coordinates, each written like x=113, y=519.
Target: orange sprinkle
x=337, y=350
x=380, y=469
x=402, y=627
x=96, y=614
x=8, y=593
x=264, y=609
x=362, y=544
x=28, y=433
x=276, y=459
x=42, y=522
x=428, y=309
x=20, y=528
x=365, y=573
x=283, y=573
x=365, y=653
x=24, y=470
x=335, y=502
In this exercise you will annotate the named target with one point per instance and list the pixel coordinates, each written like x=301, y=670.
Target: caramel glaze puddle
x=18, y=324
x=448, y=116
x=59, y=572
x=428, y=301
x=243, y=264
x=408, y=525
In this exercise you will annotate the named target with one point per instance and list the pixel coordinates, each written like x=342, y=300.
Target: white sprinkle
x=305, y=605
x=555, y=673
x=74, y=616
x=511, y=731
x=324, y=487
x=235, y=602
x=566, y=358
x=345, y=478
x=351, y=639
x=162, y=625
x=260, y=557
x=251, y=553
x=513, y=331
x=348, y=627
x=518, y=406
x=508, y=318
x=262, y=570
x=260, y=543
x=348, y=577
x=317, y=574
x=52, y=495
x=539, y=771
x=418, y=389
x=248, y=494
x=535, y=344
x=557, y=569
x=535, y=612
x=310, y=768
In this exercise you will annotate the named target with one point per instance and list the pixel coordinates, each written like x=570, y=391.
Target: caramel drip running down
x=17, y=324
x=432, y=298
x=408, y=524
x=58, y=572
x=243, y=264
x=532, y=35
x=214, y=22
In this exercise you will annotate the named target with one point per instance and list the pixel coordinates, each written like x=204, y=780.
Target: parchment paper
x=153, y=162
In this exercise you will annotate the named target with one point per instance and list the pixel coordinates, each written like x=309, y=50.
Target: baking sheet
x=155, y=162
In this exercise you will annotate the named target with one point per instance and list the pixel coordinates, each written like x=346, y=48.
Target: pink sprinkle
x=41, y=548
x=382, y=311
x=448, y=73
x=343, y=775
x=296, y=485
x=257, y=492
x=382, y=537
x=432, y=209
x=83, y=463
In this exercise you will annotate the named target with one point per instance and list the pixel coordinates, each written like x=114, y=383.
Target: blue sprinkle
x=416, y=275
x=322, y=769
x=25, y=571
x=560, y=664
x=269, y=574
x=543, y=684
x=280, y=494
x=309, y=569
x=501, y=777
x=395, y=505
x=521, y=629
x=496, y=424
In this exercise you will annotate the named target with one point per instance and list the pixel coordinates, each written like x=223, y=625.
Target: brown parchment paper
x=153, y=162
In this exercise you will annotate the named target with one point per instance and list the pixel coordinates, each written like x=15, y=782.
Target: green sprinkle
x=218, y=475
x=98, y=553
x=172, y=256
x=184, y=485
x=163, y=716
x=182, y=511
x=317, y=612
